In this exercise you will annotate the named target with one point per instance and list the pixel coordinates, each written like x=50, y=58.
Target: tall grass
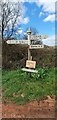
x=18, y=87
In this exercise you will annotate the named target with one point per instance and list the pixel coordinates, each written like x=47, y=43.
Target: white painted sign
x=29, y=70
x=31, y=40
x=38, y=37
x=34, y=42
x=36, y=46
x=17, y=41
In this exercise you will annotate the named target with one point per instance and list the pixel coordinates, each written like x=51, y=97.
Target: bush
x=15, y=56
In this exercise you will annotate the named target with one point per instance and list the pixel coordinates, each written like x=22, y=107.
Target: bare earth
x=35, y=109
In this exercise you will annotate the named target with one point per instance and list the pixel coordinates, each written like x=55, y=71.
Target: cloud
x=21, y=19
x=41, y=14
x=50, y=41
x=48, y=7
x=50, y=18
x=20, y=1
x=19, y=31
x=25, y=20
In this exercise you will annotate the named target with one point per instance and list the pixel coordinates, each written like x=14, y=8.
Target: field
x=20, y=88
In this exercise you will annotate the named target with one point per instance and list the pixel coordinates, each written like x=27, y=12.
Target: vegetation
x=11, y=13
x=14, y=56
x=19, y=87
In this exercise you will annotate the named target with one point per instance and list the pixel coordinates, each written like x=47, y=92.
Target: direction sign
x=36, y=46
x=34, y=42
x=17, y=41
x=38, y=37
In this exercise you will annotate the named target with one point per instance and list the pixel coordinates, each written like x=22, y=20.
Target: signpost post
x=31, y=37
x=29, y=52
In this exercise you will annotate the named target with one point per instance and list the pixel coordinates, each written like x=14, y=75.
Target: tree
x=11, y=13
x=34, y=32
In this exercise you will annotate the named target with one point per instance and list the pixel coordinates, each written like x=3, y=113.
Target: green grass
x=19, y=88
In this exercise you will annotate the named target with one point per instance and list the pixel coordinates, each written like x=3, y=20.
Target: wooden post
x=29, y=52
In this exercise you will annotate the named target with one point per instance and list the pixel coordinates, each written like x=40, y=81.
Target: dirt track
x=35, y=109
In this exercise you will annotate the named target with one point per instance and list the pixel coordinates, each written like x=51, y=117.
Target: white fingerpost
x=29, y=35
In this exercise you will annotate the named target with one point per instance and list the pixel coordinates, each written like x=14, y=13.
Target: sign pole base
x=29, y=54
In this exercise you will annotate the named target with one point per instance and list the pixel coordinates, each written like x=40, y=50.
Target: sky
x=40, y=14
x=35, y=18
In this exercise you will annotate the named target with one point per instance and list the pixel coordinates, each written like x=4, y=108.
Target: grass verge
x=19, y=88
